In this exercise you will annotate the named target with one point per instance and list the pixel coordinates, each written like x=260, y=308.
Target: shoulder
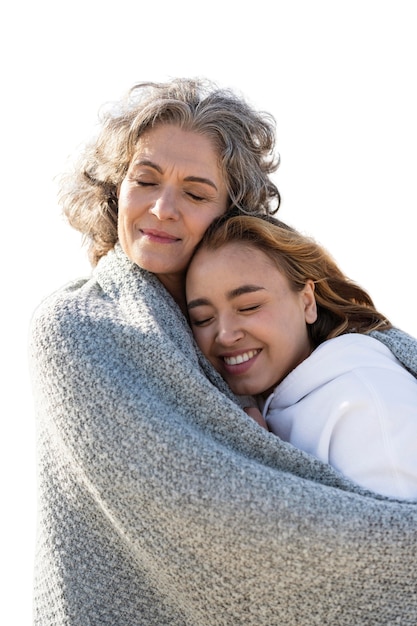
x=66, y=314
x=356, y=350
x=65, y=302
x=402, y=346
x=333, y=362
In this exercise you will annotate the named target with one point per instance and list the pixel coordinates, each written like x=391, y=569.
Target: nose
x=228, y=333
x=164, y=206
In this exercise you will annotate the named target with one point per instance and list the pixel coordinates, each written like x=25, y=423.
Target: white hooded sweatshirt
x=353, y=405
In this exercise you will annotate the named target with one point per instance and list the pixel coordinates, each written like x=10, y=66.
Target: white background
x=340, y=79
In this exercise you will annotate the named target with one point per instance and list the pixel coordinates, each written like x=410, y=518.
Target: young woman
x=153, y=507
x=277, y=318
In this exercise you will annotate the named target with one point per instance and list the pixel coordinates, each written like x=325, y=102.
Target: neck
x=175, y=285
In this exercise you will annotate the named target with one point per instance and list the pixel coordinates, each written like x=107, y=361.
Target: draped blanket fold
x=162, y=503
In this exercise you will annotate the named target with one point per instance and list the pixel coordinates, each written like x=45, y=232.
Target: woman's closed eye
x=201, y=322
x=205, y=320
x=248, y=309
x=145, y=183
x=195, y=196
x=199, y=193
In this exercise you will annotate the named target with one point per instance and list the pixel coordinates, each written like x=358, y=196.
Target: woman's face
x=172, y=191
x=246, y=318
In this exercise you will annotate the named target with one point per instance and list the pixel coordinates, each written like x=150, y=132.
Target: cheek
x=198, y=221
x=122, y=192
x=125, y=202
x=197, y=226
x=202, y=338
x=121, y=219
x=121, y=212
x=125, y=222
x=206, y=341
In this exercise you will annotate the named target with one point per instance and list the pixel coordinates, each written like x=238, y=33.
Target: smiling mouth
x=240, y=358
x=160, y=236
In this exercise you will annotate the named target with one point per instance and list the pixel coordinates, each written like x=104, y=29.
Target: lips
x=158, y=236
x=241, y=358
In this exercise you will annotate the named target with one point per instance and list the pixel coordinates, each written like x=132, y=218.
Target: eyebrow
x=191, y=179
x=234, y=293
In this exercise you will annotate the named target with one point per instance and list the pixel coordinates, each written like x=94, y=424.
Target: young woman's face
x=245, y=317
x=171, y=193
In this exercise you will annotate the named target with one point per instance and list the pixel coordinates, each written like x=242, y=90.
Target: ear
x=309, y=301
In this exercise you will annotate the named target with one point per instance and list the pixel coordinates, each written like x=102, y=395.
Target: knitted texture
x=161, y=502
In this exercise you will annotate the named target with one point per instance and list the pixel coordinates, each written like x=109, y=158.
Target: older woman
x=154, y=508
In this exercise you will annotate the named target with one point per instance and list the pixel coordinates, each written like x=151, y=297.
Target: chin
x=243, y=390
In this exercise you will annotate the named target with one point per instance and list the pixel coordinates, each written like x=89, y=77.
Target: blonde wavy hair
x=244, y=138
x=342, y=305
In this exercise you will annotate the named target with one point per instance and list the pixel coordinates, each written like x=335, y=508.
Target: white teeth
x=240, y=358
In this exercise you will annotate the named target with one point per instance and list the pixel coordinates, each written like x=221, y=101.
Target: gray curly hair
x=244, y=138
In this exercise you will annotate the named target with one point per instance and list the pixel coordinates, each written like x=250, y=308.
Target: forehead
x=171, y=143
x=236, y=262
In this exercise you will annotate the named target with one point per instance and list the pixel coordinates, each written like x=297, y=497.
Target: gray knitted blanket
x=162, y=503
